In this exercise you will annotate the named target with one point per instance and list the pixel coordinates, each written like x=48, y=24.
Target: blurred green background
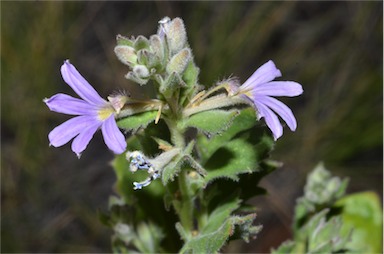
x=50, y=199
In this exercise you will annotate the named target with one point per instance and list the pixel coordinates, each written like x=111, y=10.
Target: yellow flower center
x=105, y=112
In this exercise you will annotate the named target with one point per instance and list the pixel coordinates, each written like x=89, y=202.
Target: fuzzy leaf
x=190, y=77
x=172, y=169
x=208, y=146
x=169, y=86
x=234, y=158
x=217, y=230
x=191, y=74
x=213, y=121
x=321, y=190
x=244, y=228
x=362, y=213
x=212, y=240
x=137, y=121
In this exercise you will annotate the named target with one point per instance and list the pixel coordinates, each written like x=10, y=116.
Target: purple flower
x=259, y=88
x=92, y=113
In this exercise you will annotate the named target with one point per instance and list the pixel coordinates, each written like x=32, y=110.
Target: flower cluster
x=190, y=164
x=166, y=59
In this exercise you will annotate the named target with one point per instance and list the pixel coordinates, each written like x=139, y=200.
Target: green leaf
x=170, y=86
x=148, y=238
x=234, y=158
x=362, y=213
x=244, y=228
x=246, y=187
x=191, y=74
x=171, y=170
x=209, y=243
x=322, y=188
x=134, y=122
x=217, y=230
x=213, y=240
x=208, y=146
x=213, y=121
x=218, y=216
x=190, y=77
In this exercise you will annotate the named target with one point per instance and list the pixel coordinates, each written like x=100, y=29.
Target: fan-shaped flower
x=92, y=113
x=259, y=89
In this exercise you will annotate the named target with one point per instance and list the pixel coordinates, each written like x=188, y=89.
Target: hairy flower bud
x=141, y=71
x=157, y=47
x=126, y=55
x=176, y=35
x=141, y=43
x=179, y=61
x=122, y=40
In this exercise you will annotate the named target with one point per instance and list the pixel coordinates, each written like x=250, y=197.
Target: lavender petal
x=63, y=133
x=77, y=82
x=265, y=73
x=281, y=109
x=279, y=88
x=113, y=137
x=82, y=140
x=271, y=119
x=66, y=104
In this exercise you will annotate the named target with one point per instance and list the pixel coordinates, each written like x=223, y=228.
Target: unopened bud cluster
x=163, y=55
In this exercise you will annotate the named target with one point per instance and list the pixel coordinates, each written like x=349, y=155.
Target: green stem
x=186, y=208
x=202, y=215
x=177, y=134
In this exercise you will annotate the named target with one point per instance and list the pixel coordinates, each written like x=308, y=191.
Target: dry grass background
x=50, y=198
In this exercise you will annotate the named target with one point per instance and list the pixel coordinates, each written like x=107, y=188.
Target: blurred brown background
x=50, y=198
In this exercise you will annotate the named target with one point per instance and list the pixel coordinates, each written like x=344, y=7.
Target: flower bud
x=126, y=55
x=163, y=24
x=141, y=71
x=141, y=43
x=157, y=47
x=179, y=62
x=122, y=40
x=176, y=35
x=133, y=76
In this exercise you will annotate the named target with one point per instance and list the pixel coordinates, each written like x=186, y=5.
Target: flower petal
x=113, y=137
x=82, y=140
x=74, y=79
x=279, y=88
x=66, y=104
x=265, y=73
x=271, y=119
x=63, y=133
x=281, y=109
